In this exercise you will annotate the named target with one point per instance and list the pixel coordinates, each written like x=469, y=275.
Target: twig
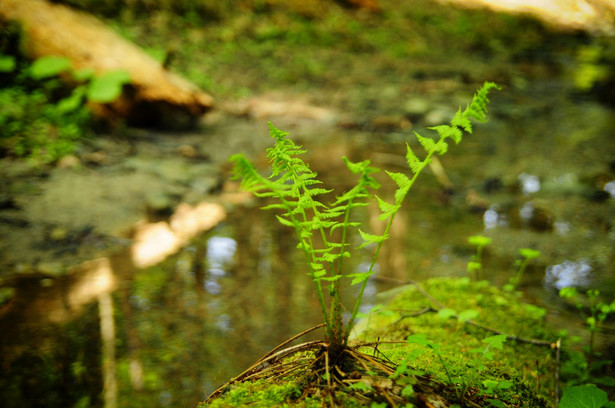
x=558, y=349
x=270, y=356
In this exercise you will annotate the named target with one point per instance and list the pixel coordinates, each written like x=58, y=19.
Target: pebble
x=187, y=151
x=58, y=234
x=68, y=162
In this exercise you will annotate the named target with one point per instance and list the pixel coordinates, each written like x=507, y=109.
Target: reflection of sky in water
x=610, y=188
x=568, y=274
x=529, y=183
x=140, y=302
x=527, y=212
x=370, y=289
x=492, y=218
x=223, y=322
x=562, y=227
x=220, y=253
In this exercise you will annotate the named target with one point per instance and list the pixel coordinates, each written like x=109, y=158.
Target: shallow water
x=536, y=175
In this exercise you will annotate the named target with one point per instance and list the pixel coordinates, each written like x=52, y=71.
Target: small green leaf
x=489, y=385
x=479, y=240
x=568, y=292
x=7, y=63
x=529, y=253
x=413, y=162
x=358, y=277
x=419, y=339
x=108, y=87
x=72, y=102
x=446, y=313
x=386, y=208
x=583, y=396
x=331, y=278
x=428, y=144
x=361, y=386
x=495, y=403
x=462, y=122
x=407, y=391
x=371, y=238
x=496, y=341
x=466, y=315
x=84, y=74
x=446, y=131
x=46, y=67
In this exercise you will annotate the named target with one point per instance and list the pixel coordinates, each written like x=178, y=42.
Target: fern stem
x=329, y=330
x=357, y=303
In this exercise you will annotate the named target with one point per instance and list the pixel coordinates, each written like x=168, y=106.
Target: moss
x=520, y=374
x=527, y=366
x=265, y=393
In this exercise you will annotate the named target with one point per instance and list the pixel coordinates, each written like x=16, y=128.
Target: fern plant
x=323, y=228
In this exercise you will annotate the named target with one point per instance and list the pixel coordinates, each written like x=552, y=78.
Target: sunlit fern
x=297, y=192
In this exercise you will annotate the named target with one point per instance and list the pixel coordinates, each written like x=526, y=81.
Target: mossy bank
x=435, y=332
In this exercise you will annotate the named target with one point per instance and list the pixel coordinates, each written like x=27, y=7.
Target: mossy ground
x=527, y=370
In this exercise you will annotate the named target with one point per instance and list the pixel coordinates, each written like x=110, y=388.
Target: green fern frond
x=446, y=131
x=428, y=144
x=477, y=109
x=386, y=209
x=461, y=121
x=371, y=238
x=298, y=194
x=413, y=162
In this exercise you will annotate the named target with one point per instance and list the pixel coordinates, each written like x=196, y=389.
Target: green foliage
x=527, y=254
x=7, y=63
x=472, y=356
x=480, y=354
x=593, y=65
x=585, y=396
x=40, y=118
x=47, y=67
x=322, y=229
x=107, y=87
x=581, y=368
x=259, y=394
x=475, y=266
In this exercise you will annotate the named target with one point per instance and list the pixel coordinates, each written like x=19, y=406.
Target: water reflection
x=187, y=324
x=492, y=218
x=220, y=251
x=530, y=184
x=569, y=274
x=610, y=188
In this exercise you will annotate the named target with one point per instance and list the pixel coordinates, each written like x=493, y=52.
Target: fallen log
x=155, y=95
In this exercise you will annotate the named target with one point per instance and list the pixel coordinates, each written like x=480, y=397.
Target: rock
x=98, y=157
x=272, y=106
x=159, y=203
x=68, y=162
x=438, y=116
x=187, y=151
x=417, y=106
x=58, y=234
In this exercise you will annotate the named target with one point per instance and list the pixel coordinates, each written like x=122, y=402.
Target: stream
x=539, y=174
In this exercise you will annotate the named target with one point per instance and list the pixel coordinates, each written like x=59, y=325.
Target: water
x=539, y=174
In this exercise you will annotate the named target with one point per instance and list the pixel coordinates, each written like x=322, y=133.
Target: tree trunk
x=154, y=95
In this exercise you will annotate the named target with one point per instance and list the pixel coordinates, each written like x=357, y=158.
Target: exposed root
x=350, y=373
